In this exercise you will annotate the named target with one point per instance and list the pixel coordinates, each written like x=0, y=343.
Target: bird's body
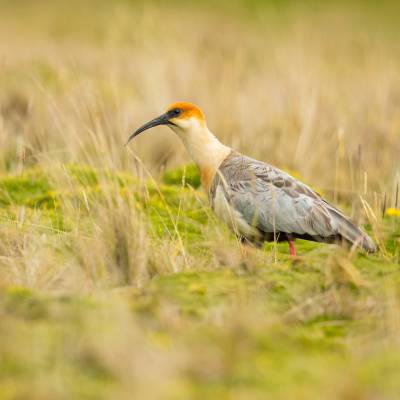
x=262, y=203
x=256, y=200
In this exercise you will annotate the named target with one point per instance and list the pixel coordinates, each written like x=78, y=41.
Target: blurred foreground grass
x=113, y=287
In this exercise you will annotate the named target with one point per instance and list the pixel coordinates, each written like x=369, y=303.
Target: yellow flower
x=393, y=212
x=197, y=288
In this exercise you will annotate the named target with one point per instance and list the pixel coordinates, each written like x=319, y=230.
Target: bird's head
x=181, y=117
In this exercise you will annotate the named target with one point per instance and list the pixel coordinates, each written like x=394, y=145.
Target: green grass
x=117, y=286
x=254, y=326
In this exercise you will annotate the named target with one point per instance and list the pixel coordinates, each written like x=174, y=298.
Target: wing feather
x=274, y=201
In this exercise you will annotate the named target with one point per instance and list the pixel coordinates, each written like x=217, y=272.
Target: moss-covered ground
x=170, y=306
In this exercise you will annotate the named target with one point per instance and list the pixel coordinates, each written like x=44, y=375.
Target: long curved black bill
x=161, y=120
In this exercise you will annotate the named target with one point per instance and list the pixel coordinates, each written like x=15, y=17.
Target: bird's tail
x=352, y=233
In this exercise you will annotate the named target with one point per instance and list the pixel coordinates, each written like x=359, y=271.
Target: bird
x=257, y=201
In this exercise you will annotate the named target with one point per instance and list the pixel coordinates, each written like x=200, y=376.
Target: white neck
x=205, y=149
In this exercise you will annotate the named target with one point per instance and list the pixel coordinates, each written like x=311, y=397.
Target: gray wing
x=274, y=201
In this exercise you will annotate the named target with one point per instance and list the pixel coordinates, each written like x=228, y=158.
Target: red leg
x=292, y=249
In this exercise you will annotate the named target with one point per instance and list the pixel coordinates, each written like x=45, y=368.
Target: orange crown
x=189, y=110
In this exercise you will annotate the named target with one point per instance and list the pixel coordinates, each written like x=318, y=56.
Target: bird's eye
x=176, y=112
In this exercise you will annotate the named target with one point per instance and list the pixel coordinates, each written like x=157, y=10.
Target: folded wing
x=274, y=201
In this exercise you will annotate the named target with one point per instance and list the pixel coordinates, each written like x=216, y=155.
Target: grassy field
x=116, y=279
